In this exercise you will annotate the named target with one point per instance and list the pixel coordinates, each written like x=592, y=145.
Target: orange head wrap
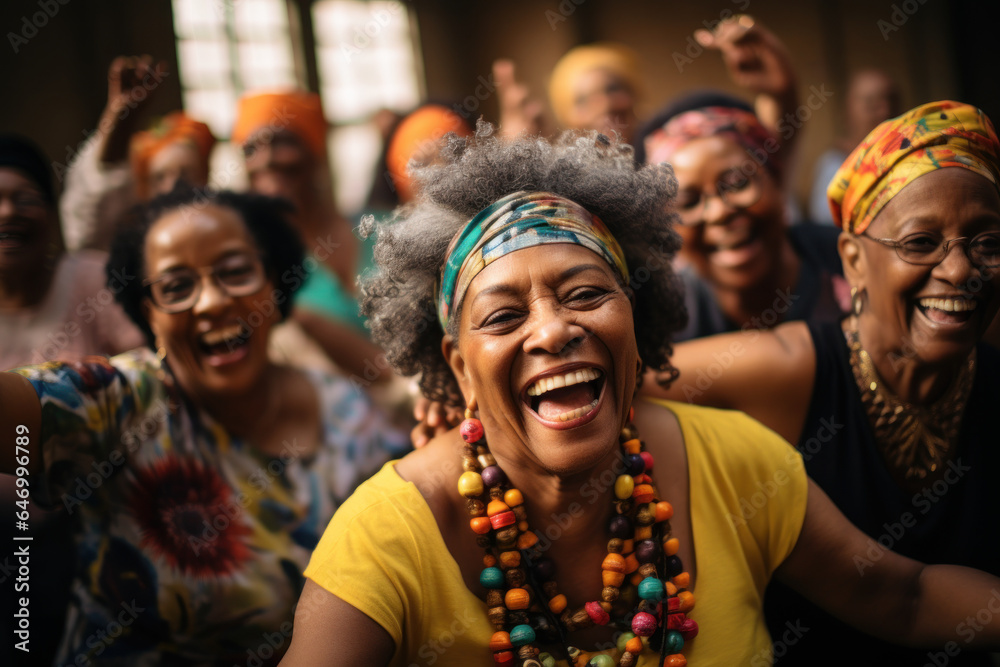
x=413, y=133
x=172, y=128
x=932, y=136
x=616, y=58
x=297, y=111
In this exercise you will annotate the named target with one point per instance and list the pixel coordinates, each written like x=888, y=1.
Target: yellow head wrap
x=932, y=136
x=616, y=58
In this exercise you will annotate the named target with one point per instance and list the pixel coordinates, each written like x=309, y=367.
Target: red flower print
x=188, y=515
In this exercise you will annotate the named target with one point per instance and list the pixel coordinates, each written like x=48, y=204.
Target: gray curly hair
x=470, y=174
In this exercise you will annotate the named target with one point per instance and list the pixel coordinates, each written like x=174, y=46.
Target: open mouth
x=13, y=237
x=566, y=397
x=224, y=345
x=732, y=255
x=947, y=311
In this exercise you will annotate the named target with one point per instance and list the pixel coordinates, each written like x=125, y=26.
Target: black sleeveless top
x=952, y=521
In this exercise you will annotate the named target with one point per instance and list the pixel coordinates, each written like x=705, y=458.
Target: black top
x=811, y=298
x=950, y=521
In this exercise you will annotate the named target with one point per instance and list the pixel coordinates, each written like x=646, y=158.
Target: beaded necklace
x=522, y=597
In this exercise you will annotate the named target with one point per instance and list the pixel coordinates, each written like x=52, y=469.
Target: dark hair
x=19, y=152
x=265, y=219
x=585, y=167
x=700, y=99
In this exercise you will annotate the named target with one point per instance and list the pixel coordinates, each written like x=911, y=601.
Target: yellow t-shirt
x=383, y=552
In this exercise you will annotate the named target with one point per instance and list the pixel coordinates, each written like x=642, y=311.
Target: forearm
x=88, y=181
x=20, y=417
x=115, y=130
x=345, y=347
x=955, y=604
x=885, y=594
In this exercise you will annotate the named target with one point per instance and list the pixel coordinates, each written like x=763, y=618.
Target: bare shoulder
x=795, y=338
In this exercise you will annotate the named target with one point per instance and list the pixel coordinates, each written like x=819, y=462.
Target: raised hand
x=755, y=57
x=519, y=112
x=132, y=83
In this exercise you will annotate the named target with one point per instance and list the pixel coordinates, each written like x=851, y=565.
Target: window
x=367, y=61
x=227, y=47
x=365, y=58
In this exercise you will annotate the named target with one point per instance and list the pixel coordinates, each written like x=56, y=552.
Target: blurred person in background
x=53, y=305
x=283, y=135
x=744, y=265
x=200, y=473
x=872, y=97
x=120, y=166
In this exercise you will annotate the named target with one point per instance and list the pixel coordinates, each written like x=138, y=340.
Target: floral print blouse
x=190, y=546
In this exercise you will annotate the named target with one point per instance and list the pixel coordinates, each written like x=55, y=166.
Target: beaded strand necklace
x=522, y=597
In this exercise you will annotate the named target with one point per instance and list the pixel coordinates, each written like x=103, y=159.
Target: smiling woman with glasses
x=203, y=473
x=735, y=189
x=744, y=267
x=894, y=407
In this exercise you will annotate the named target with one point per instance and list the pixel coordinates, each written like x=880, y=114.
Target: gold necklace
x=915, y=440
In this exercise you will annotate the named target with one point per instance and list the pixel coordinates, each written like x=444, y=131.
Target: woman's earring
x=857, y=303
x=471, y=407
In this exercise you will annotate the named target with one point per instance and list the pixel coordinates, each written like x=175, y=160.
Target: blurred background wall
x=55, y=55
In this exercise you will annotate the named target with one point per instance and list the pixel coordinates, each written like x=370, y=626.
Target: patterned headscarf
x=742, y=126
x=520, y=220
x=932, y=136
x=173, y=128
x=297, y=111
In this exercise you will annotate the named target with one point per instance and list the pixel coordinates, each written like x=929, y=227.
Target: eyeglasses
x=736, y=189
x=982, y=250
x=28, y=201
x=178, y=290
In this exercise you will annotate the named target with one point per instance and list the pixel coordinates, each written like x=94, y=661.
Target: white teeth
x=567, y=380
x=950, y=305
x=222, y=335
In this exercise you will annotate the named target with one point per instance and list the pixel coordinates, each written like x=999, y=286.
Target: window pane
x=260, y=19
x=216, y=107
x=365, y=58
x=354, y=150
x=203, y=64
x=200, y=19
x=266, y=65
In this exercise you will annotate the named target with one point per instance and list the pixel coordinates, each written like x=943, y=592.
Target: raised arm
x=759, y=62
x=328, y=631
x=20, y=417
x=890, y=596
x=766, y=374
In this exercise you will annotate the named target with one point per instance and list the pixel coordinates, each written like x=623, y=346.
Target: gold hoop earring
x=857, y=303
x=161, y=351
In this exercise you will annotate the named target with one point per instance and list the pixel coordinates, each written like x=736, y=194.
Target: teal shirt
x=322, y=291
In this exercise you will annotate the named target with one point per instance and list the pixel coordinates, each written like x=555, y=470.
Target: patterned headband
x=741, y=126
x=520, y=220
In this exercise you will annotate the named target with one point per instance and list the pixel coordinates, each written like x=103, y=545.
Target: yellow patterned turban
x=932, y=136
